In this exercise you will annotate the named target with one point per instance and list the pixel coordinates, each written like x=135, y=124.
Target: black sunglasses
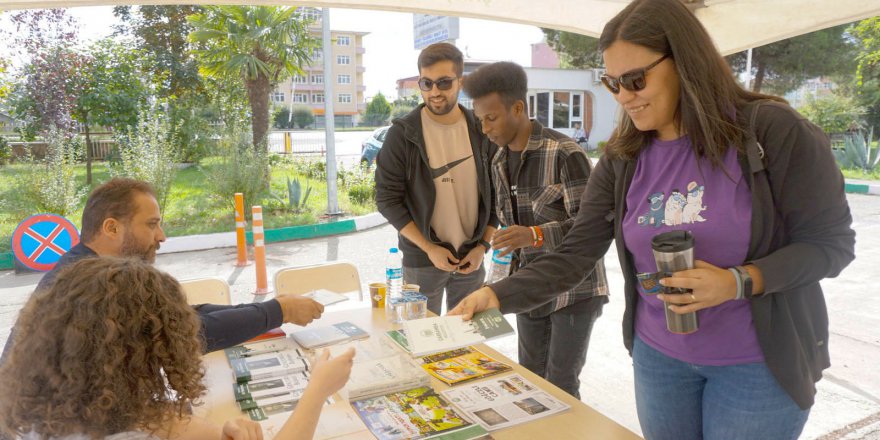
x=634, y=80
x=443, y=83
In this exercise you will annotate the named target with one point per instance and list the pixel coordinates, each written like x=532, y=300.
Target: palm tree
x=262, y=45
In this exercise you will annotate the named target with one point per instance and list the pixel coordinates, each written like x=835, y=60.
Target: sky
x=389, y=53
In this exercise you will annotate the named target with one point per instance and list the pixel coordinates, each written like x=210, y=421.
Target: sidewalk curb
x=227, y=239
x=862, y=188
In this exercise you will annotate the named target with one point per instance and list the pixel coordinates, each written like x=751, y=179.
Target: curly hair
x=111, y=347
x=507, y=79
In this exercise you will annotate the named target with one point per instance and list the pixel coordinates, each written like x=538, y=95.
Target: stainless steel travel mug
x=674, y=251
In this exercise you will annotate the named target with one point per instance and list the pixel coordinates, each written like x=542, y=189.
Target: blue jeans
x=555, y=346
x=678, y=400
x=433, y=281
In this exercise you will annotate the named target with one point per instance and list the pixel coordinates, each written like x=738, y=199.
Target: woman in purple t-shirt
x=757, y=187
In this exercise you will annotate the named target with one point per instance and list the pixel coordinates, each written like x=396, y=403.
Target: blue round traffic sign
x=39, y=241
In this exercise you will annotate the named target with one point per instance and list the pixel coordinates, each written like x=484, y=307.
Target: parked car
x=371, y=146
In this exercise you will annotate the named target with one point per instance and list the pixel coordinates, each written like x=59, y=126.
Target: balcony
x=360, y=69
x=360, y=50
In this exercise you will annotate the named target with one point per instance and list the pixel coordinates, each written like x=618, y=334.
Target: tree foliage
x=866, y=86
x=575, y=50
x=378, y=111
x=834, y=113
x=259, y=45
x=160, y=34
x=303, y=116
x=783, y=66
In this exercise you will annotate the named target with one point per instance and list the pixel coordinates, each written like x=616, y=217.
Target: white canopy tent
x=735, y=25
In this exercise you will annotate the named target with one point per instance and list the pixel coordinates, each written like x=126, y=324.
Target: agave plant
x=296, y=200
x=857, y=152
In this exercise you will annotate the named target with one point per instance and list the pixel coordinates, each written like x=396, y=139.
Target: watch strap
x=485, y=244
x=746, y=281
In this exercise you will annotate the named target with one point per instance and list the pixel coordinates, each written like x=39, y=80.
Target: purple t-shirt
x=673, y=190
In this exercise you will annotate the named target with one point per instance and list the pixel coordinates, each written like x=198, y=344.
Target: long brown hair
x=710, y=97
x=111, y=347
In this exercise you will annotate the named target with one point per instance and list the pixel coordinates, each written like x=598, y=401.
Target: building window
x=343, y=79
x=576, y=105
x=318, y=78
x=313, y=14
x=299, y=79
x=345, y=98
x=561, y=104
x=278, y=97
x=318, y=98
x=343, y=59
x=343, y=40
x=317, y=54
x=301, y=98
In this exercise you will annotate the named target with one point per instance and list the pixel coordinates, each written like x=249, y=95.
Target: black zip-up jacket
x=800, y=234
x=405, y=186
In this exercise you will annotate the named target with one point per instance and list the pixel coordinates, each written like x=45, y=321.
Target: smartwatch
x=746, y=281
x=485, y=244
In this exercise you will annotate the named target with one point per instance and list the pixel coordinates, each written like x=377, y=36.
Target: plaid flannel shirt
x=549, y=185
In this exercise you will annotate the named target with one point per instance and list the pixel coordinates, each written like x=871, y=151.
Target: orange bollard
x=260, y=251
x=240, y=225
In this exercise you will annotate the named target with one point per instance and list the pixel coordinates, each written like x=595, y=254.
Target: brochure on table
x=419, y=413
x=462, y=365
x=322, y=335
x=502, y=402
x=443, y=333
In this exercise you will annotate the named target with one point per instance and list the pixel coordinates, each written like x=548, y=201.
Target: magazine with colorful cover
x=462, y=365
x=268, y=365
x=443, y=333
x=271, y=387
x=262, y=347
x=382, y=376
x=320, y=336
x=419, y=413
x=502, y=402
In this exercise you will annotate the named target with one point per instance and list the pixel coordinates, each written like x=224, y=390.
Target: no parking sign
x=40, y=240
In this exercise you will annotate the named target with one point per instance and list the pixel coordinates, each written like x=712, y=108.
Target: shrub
x=857, y=152
x=281, y=119
x=833, y=113
x=241, y=168
x=147, y=153
x=5, y=151
x=49, y=185
x=303, y=116
x=360, y=185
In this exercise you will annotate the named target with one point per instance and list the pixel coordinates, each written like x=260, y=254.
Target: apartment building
x=347, y=56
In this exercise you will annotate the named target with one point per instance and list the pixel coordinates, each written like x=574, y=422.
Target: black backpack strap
x=754, y=150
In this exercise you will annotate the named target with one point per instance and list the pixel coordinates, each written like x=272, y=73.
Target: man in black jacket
x=121, y=219
x=433, y=184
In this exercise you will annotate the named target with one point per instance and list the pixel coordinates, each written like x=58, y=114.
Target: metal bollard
x=240, y=225
x=260, y=251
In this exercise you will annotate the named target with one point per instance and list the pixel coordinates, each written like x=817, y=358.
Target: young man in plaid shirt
x=539, y=175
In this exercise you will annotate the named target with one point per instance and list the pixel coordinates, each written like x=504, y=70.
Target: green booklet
x=443, y=333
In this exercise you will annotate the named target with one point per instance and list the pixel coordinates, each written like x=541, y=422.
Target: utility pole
x=329, y=117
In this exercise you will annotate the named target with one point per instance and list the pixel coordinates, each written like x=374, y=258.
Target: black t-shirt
x=514, y=163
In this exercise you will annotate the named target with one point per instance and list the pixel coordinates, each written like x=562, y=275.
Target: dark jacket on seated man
x=222, y=326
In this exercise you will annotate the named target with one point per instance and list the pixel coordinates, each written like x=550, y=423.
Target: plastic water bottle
x=394, y=281
x=500, y=266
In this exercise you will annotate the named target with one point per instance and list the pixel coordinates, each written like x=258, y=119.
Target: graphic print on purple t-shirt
x=678, y=209
x=674, y=190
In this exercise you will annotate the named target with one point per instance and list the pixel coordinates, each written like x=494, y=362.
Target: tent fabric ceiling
x=735, y=25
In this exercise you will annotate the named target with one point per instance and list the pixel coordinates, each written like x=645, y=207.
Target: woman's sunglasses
x=443, y=83
x=634, y=80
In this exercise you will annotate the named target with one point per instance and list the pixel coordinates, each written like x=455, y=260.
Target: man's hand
x=442, y=258
x=508, y=239
x=472, y=261
x=482, y=299
x=330, y=375
x=298, y=309
x=242, y=429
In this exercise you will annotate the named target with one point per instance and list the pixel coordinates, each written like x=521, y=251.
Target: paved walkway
x=848, y=399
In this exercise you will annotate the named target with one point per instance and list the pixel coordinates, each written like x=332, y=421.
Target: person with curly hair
x=112, y=351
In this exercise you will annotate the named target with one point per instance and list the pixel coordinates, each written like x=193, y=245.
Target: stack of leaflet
x=270, y=376
x=322, y=336
x=437, y=334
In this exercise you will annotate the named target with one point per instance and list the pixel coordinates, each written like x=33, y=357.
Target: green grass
x=191, y=207
x=854, y=173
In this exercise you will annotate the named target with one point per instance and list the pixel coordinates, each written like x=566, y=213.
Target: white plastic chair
x=206, y=291
x=338, y=276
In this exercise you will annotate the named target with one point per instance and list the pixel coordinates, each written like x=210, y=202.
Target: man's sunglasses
x=443, y=83
x=634, y=80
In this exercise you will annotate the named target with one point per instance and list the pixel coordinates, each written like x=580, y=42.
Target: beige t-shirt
x=455, y=179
